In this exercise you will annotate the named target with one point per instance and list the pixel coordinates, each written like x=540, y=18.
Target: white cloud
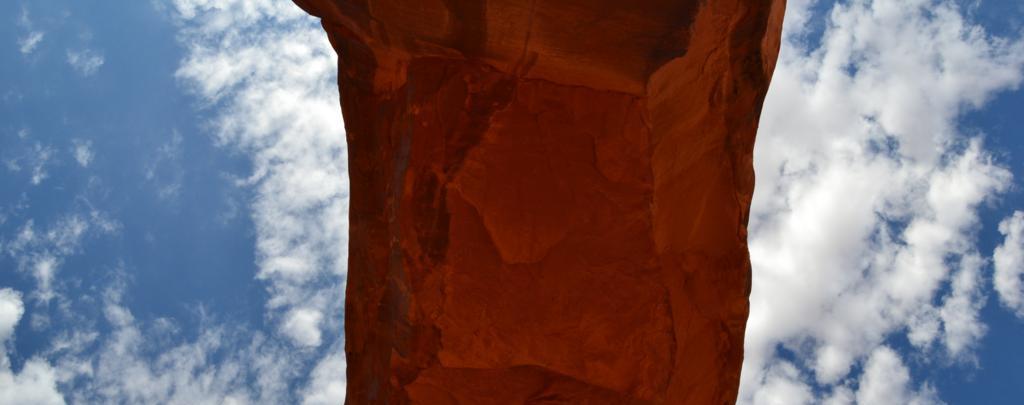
x=265, y=68
x=82, y=150
x=783, y=385
x=1008, y=261
x=866, y=209
x=40, y=157
x=147, y=362
x=327, y=385
x=11, y=310
x=272, y=68
x=41, y=253
x=86, y=61
x=303, y=326
x=961, y=325
x=35, y=159
x=36, y=382
x=29, y=43
x=867, y=201
x=886, y=381
x=165, y=168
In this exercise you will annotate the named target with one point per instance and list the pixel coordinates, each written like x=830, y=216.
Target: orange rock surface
x=549, y=198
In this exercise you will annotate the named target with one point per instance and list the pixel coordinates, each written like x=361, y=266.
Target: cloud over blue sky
x=173, y=225
x=92, y=314
x=865, y=231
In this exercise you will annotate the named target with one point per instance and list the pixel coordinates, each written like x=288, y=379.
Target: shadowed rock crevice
x=549, y=199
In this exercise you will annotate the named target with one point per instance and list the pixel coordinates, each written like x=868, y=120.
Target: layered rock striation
x=549, y=198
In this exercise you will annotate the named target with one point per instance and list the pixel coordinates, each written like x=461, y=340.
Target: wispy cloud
x=165, y=169
x=35, y=160
x=135, y=364
x=28, y=43
x=41, y=252
x=284, y=115
x=85, y=61
x=32, y=37
x=270, y=68
x=865, y=217
x=1008, y=260
x=145, y=362
x=264, y=69
x=82, y=151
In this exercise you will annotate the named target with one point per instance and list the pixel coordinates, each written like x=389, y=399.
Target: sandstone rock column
x=549, y=198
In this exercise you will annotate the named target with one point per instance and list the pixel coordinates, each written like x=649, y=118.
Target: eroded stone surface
x=549, y=199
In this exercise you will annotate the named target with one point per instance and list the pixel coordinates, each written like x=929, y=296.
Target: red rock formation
x=549, y=199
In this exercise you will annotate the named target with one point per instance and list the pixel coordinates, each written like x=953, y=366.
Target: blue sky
x=173, y=215
x=131, y=223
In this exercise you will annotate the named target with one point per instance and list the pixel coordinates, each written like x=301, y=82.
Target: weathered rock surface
x=549, y=199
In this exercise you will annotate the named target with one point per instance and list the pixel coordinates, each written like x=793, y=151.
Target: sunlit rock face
x=549, y=198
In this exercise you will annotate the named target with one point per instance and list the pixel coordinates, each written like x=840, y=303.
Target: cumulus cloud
x=327, y=385
x=865, y=214
x=303, y=326
x=782, y=384
x=11, y=310
x=886, y=381
x=36, y=382
x=86, y=61
x=1008, y=261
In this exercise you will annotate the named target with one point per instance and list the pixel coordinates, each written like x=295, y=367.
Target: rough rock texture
x=549, y=198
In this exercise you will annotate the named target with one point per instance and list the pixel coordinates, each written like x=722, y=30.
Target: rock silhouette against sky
x=549, y=200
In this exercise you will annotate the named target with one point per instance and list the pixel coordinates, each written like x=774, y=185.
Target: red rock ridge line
x=549, y=199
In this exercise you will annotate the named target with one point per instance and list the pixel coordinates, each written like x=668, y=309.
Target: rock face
x=549, y=199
